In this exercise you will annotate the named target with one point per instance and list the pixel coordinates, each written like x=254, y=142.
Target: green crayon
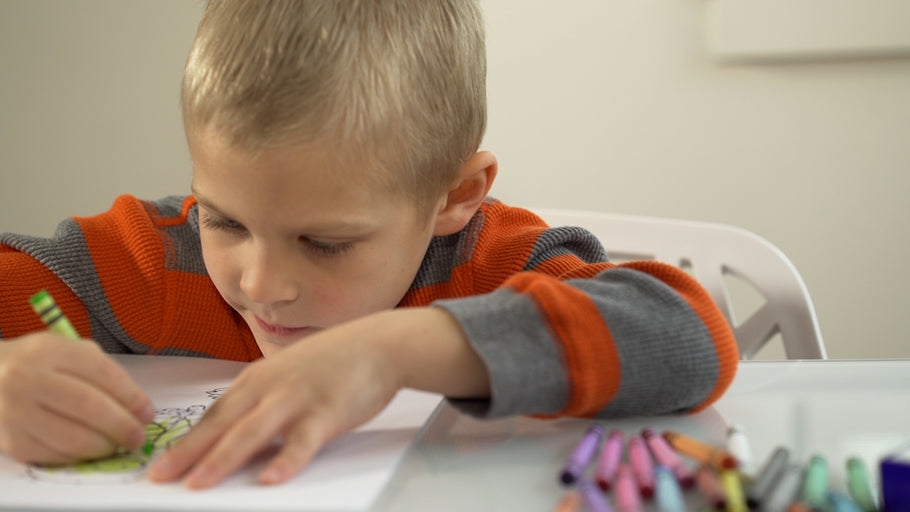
x=49, y=312
x=859, y=486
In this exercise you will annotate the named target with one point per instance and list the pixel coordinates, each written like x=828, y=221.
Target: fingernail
x=148, y=413
x=137, y=440
x=270, y=476
x=200, y=478
x=160, y=470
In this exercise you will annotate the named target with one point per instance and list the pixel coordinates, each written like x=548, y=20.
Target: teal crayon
x=49, y=312
x=815, y=488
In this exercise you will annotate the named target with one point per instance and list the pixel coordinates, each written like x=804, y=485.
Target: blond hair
x=398, y=85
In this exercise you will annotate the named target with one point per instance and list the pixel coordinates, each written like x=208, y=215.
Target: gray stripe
x=447, y=252
x=668, y=360
x=525, y=367
x=566, y=240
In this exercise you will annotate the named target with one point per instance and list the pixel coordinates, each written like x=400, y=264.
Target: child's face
x=296, y=244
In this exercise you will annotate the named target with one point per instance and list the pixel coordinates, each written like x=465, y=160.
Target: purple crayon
x=582, y=455
x=595, y=500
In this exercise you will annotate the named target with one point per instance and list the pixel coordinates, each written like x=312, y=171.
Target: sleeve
x=131, y=278
x=569, y=334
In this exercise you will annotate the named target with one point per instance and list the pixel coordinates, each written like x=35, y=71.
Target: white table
x=833, y=408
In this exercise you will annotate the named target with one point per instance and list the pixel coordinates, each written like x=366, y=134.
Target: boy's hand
x=320, y=387
x=62, y=401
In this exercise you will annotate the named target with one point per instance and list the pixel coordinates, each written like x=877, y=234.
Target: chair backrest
x=711, y=253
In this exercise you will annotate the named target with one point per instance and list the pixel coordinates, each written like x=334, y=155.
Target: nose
x=267, y=276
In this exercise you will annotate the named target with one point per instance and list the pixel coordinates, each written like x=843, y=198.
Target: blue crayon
x=841, y=503
x=582, y=455
x=667, y=491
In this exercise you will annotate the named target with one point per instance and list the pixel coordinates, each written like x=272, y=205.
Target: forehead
x=282, y=183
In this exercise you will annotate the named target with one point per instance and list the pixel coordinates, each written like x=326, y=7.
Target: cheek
x=365, y=288
x=219, y=265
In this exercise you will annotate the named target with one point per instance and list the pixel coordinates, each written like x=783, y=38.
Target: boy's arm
x=562, y=332
x=98, y=269
x=638, y=339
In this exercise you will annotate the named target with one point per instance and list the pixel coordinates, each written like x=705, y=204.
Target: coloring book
x=347, y=474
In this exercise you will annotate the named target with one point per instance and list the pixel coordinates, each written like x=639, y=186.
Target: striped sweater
x=560, y=330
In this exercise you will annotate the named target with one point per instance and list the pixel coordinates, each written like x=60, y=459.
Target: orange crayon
x=718, y=458
x=570, y=502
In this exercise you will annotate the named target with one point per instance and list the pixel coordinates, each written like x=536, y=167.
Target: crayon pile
x=666, y=468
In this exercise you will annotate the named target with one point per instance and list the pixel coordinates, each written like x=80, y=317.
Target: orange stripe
x=188, y=203
x=22, y=278
x=587, y=345
x=710, y=315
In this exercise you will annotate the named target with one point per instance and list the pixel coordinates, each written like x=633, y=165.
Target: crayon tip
x=38, y=297
x=687, y=481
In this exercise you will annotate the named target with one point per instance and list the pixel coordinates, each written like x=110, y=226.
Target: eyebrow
x=345, y=225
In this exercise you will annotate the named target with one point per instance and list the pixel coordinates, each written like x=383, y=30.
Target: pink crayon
x=667, y=457
x=628, y=498
x=642, y=466
x=609, y=459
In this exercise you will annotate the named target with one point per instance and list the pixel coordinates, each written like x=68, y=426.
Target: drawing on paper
x=169, y=426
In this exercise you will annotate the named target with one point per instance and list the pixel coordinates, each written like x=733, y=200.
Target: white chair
x=711, y=253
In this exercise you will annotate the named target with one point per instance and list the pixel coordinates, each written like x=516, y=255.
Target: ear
x=470, y=188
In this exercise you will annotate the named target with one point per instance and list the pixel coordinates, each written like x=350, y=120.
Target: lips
x=280, y=331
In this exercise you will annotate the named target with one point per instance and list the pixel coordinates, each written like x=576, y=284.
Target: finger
x=102, y=371
x=70, y=441
x=180, y=458
x=93, y=410
x=302, y=443
x=26, y=446
x=254, y=432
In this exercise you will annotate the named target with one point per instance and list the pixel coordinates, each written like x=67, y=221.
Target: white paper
x=347, y=474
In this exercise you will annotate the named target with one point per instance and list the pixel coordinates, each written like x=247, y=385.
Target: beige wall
x=615, y=106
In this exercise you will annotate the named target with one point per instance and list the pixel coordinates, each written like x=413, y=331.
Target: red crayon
x=710, y=487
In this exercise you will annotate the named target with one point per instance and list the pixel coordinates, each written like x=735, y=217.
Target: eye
x=326, y=248
x=221, y=224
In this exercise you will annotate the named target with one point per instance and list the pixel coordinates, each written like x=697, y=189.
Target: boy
x=340, y=227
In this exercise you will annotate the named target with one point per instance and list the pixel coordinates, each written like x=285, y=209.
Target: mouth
x=280, y=331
